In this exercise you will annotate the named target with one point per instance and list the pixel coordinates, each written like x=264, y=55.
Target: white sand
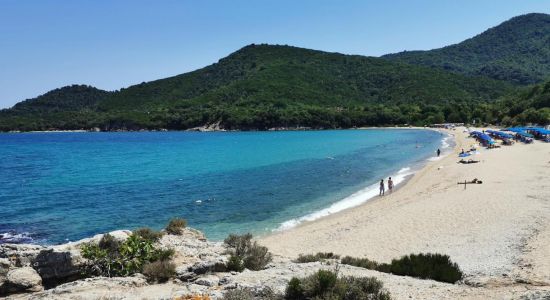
x=498, y=232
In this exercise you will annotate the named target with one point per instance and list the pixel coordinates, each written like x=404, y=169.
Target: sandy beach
x=498, y=232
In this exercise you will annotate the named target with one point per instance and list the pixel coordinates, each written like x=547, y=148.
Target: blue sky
x=45, y=44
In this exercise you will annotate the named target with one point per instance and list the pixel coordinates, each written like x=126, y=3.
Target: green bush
x=128, y=258
x=257, y=257
x=148, y=234
x=362, y=288
x=109, y=243
x=239, y=243
x=319, y=256
x=176, y=225
x=294, y=289
x=426, y=266
x=360, y=262
x=326, y=284
x=159, y=271
x=252, y=255
x=235, y=263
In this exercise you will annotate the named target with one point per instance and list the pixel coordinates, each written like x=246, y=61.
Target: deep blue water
x=65, y=186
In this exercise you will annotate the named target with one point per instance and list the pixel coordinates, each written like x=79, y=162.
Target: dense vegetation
x=267, y=86
x=525, y=106
x=321, y=285
x=426, y=266
x=319, y=256
x=517, y=51
x=136, y=254
x=244, y=253
x=325, y=284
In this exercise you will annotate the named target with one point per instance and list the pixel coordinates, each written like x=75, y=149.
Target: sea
x=63, y=186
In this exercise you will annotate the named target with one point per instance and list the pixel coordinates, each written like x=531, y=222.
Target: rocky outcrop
x=200, y=268
x=53, y=265
x=24, y=279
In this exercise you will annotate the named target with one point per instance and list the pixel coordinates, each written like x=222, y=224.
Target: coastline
x=369, y=193
x=215, y=128
x=497, y=232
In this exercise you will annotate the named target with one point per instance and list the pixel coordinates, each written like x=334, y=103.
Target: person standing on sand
x=390, y=185
x=438, y=152
x=382, y=189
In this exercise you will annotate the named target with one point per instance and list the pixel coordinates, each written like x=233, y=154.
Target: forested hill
x=525, y=106
x=265, y=86
x=69, y=98
x=517, y=51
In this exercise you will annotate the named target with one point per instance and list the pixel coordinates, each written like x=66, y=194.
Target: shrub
x=148, y=234
x=239, y=243
x=246, y=254
x=109, y=243
x=128, y=258
x=294, y=290
x=364, y=288
x=359, y=262
x=175, y=226
x=257, y=257
x=159, y=271
x=247, y=294
x=326, y=284
x=432, y=266
x=426, y=266
x=306, y=258
x=235, y=263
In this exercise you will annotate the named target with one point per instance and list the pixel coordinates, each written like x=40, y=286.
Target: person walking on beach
x=382, y=189
x=438, y=152
x=390, y=185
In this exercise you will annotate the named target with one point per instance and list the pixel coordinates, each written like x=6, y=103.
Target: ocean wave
x=12, y=237
x=353, y=200
x=404, y=170
x=446, y=144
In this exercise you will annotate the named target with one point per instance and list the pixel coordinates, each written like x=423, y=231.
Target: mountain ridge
x=494, y=52
x=265, y=86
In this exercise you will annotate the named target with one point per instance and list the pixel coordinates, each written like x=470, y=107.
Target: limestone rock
x=24, y=279
x=208, y=280
x=203, y=267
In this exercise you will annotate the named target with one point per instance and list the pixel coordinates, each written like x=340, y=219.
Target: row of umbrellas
x=483, y=137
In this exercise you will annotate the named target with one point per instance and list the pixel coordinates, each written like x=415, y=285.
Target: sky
x=46, y=44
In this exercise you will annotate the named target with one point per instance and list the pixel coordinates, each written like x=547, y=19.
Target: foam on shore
x=12, y=237
x=353, y=200
x=365, y=194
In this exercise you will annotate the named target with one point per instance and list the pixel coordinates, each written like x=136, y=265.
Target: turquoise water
x=56, y=187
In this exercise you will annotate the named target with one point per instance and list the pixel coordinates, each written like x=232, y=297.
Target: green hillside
x=517, y=51
x=264, y=86
x=73, y=98
x=483, y=79
x=525, y=106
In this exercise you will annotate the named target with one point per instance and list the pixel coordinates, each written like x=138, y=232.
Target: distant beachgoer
x=390, y=185
x=462, y=152
x=382, y=188
x=438, y=152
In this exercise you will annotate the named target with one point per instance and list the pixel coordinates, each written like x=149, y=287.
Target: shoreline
x=497, y=232
x=208, y=129
x=408, y=175
x=401, y=175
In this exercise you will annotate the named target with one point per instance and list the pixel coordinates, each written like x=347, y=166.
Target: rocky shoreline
x=55, y=272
